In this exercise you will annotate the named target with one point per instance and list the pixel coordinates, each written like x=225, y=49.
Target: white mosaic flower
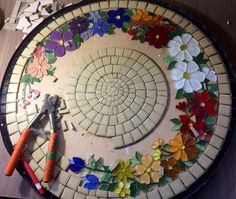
x=183, y=48
x=187, y=76
x=210, y=74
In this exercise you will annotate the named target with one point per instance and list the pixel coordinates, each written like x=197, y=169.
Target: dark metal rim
x=4, y=87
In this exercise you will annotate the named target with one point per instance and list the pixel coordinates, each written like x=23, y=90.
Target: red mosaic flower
x=203, y=105
x=181, y=106
x=205, y=134
x=188, y=123
x=157, y=36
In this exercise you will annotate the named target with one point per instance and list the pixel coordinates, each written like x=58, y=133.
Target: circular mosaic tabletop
x=145, y=100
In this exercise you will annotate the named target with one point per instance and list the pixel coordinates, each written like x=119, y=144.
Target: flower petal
x=182, y=66
x=155, y=176
x=173, y=43
x=176, y=74
x=177, y=155
x=193, y=42
x=180, y=56
x=146, y=160
x=155, y=166
x=144, y=179
x=179, y=84
x=75, y=168
x=67, y=35
x=55, y=35
x=193, y=51
x=173, y=51
x=192, y=67
x=186, y=38
x=60, y=51
x=199, y=76
x=140, y=169
x=188, y=56
x=178, y=40
x=51, y=45
x=196, y=85
x=184, y=156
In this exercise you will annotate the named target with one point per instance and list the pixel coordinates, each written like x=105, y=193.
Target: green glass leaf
x=176, y=127
x=106, y=177
x=171, y=65
x=210, y=120
x=104, y=15
x=202, y=142
x=114, y=179
x=64, y=27
x=200, y=147
x=77, y=40
x=142, y=38
x=84, y=172
x=179, y=31
x=182, y=165
x=180, y=94
x=52, y=68
x=134, y=161
x=130, y=12
x=138, y=155
x=99, y=163
x=164, y=180
x=189, y=95
x=92, y=162
x=50, y=56
x=169, y=59
x=134, y=189
x=26, y=78
x=126, y=25
x=200, y=61
x=175, y=121
x=35, y=79
x=145, y=187
x=104, y=186
x=212, y=87
x=110, y=31
x=106, y=169
x=112, y=186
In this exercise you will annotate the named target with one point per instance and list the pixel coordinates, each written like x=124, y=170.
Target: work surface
x=214, y=14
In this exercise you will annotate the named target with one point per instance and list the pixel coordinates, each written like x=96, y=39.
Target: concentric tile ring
x=117, y=95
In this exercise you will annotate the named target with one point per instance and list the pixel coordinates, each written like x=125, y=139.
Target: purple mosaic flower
x=117, y=17
x=100, y=28
x=95, y=16
x=79, y=25
x=60, y=42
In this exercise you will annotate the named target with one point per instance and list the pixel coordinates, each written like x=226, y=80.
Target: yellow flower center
x=183, y=47
x=190, y=124
x=186, y=75
x=157, y=37
x=148, y=169
x=61, y=42
x=123, y=170
x=202, y=104
x=78, y=25
x=118, y=17
x=183, y=147
x=170, y=167
x=39, y=67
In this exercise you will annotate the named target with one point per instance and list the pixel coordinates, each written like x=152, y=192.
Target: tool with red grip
x=48, y=108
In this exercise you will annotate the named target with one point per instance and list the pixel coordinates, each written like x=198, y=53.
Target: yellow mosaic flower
x=148, y=170
x=123, y=189
x=123, y=171
x=157, y=154
x=157, y=142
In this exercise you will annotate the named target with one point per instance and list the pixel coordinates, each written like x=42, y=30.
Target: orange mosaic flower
x=141, y=18
x=183, y=147
x=171, y=168
x=38, y=68
x=148, y=170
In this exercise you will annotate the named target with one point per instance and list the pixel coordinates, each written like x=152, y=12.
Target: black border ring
x=4, y=87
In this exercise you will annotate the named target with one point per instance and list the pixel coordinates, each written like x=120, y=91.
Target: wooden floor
x=214, y=15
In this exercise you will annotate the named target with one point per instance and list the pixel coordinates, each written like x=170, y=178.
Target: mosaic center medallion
x=117, y=93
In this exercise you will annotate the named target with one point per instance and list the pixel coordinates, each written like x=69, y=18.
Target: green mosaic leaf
x=104, y=186
x=175, y=121
x=210, y=120
x=99, y=163
x=200, y=147
x=130, y=12
x=200, y=61
x=50, y=56
x=176, y=127
x=164, y=180
x=182, y=165
x=64, y=27
x=138, y=155
x=172, y=65
x=106, y=177
x=92, y=162
x=104, y=15
x=179, y=31
x=134, y=188
x=180, y=94
x=145, y=187
x=77, y=40
x=169, y=59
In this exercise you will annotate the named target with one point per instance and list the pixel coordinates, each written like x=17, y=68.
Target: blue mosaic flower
x=100, y=28
x=117, y=17
x=91, y=182
x=94, y=16
x=76, y=164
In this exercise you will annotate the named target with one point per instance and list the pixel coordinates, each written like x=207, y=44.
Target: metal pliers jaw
x=49, y=107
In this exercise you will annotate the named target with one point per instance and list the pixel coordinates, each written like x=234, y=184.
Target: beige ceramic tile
x=166, y=192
